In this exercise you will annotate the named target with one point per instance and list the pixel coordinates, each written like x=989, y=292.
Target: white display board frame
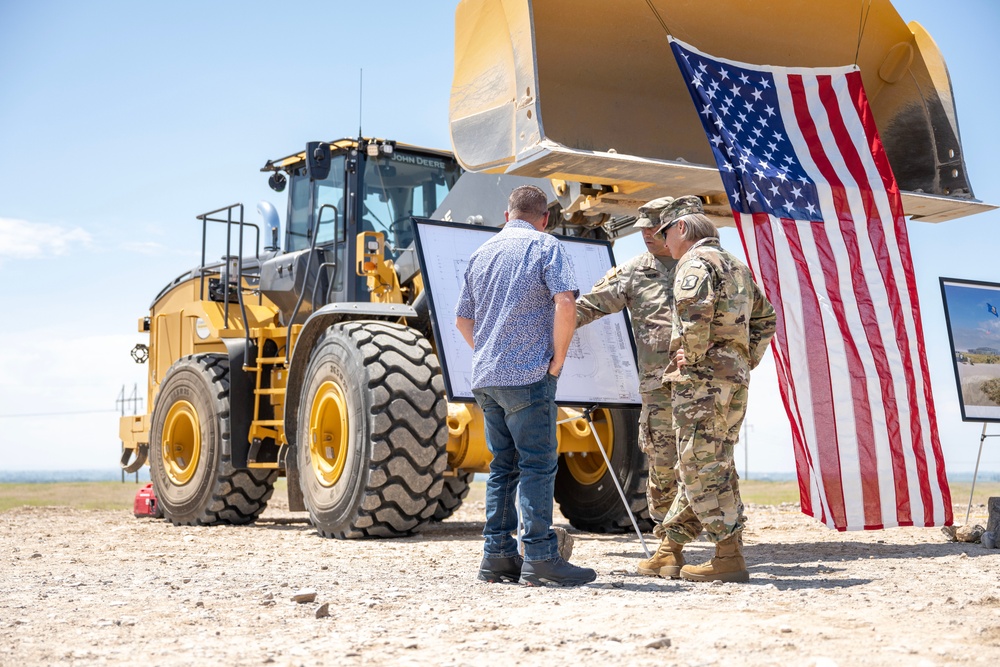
x=971, y=314
x=600, y=370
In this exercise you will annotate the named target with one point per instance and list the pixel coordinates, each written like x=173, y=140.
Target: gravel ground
x=101, y=587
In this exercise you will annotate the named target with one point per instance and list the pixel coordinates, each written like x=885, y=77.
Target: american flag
x=821, y=221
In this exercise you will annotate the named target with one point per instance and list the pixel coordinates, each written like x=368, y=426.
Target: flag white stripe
x=884, y=328
x=917, y=377
x=799, y=384
x=875, y=411
x=902, y=379
x=798, y=392
x=800, y=388
x=843, y=400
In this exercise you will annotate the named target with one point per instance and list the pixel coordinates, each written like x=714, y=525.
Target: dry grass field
x=117, y=495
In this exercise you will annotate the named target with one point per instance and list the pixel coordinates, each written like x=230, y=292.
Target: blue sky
x=972, y=324
x=121, y=121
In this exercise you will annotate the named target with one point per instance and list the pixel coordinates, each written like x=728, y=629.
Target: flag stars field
x=761, y=191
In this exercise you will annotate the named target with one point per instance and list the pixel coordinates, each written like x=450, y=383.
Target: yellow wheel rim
x=590, y=469
x=181, y=446
x=328, y=433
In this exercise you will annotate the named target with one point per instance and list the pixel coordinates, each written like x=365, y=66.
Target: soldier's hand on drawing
x=679, y=358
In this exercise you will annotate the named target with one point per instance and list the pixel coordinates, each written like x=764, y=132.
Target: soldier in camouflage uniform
x=722, y=325
x=644, y=285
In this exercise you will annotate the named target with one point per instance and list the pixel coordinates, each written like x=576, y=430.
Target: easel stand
x=982, y=439
x=587, y=414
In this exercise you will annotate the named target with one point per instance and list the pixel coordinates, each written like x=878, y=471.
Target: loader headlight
x=201, y=328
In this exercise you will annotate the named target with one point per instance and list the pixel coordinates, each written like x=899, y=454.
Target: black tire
x=373, y=391
x=191, y=468
x=596, y=507
x=453, y=492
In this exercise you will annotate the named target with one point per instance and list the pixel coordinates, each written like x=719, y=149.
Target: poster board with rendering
x=972, y=311
x=600, y=367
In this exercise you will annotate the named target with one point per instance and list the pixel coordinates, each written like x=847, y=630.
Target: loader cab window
x=329, y=191
x=401, y=185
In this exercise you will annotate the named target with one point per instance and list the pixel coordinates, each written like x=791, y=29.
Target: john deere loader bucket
x=587, y=92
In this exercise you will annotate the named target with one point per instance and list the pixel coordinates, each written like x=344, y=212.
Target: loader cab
x=372, y=185
x=400, y=183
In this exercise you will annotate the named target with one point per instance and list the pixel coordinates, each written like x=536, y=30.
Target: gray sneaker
x=555, y=572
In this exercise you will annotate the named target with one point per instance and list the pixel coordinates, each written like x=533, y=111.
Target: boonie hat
x=649, y=213
x=678, y=208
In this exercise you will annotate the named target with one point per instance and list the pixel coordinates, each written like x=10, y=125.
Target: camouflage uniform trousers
x=707, y=419
x=658, y=443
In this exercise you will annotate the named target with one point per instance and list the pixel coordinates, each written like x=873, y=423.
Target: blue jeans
x=521, y=435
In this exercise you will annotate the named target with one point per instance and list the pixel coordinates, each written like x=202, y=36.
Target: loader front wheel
x=371, y=435
x=190, y=456
x=586, y=492
x=454, y=491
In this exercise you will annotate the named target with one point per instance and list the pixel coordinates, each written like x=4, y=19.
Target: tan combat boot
x=666, y=562
x=728, y=564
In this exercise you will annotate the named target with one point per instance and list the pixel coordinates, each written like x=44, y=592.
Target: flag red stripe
x=919, y=447
x=820, y=382
x=867, y=314
x=857, y=376
x=768, y=278
x=878, y=233
x=860, y=100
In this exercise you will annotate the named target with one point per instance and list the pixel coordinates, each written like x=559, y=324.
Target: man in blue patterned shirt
x=517, y=311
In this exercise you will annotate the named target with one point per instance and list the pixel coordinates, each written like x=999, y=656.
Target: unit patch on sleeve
x=612, y=274
x=689, y=282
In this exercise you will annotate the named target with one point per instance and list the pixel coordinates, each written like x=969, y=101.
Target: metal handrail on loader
x=226, y=277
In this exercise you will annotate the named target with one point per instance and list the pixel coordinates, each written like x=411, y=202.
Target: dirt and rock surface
x=101, y=587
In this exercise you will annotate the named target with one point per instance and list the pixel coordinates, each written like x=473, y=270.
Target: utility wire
x=658, y=18
x=862, y=22
x=56, y=414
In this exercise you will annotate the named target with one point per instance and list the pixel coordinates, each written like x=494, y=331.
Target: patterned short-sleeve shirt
x=508, y=290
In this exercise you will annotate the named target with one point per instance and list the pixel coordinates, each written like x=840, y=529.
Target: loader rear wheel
x=453, y=492
x=586, y=493
x=371, y=440
x=190, y=449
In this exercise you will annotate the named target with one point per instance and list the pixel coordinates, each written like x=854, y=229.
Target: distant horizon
x=47, y=475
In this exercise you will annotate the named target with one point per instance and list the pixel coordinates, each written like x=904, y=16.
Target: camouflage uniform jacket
x=644, y=285
x=722, y=320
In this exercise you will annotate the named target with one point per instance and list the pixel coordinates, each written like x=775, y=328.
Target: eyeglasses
x=663, y=230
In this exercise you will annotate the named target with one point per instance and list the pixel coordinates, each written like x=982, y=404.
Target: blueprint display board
x=972, y=312
x=600, y=367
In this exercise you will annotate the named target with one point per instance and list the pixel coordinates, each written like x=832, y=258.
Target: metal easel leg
x=614, y=478
x=520, y=519
x=982, y=439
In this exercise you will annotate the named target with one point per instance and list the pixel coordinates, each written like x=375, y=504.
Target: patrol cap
x=649, y=213
x=678, y=208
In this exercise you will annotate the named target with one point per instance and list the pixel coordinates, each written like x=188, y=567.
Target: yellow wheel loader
x=314, y=360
